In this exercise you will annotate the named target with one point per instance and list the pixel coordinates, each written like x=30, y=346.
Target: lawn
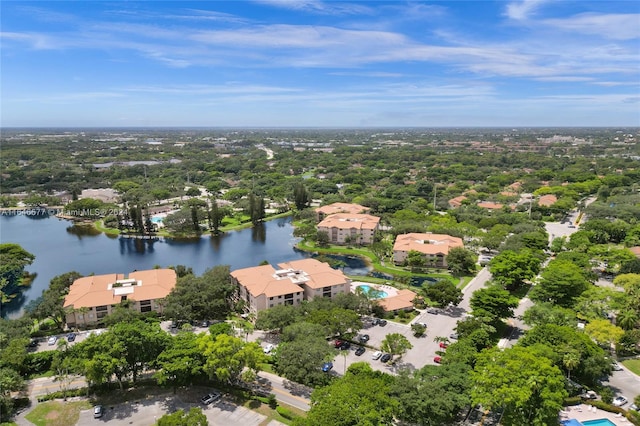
x=57, y=413
x=633, y=365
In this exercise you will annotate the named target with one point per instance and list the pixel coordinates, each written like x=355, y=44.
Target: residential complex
x=435, y=247
x=349, y=228
x=329, y=209
x=92, y=298
x=262, y=287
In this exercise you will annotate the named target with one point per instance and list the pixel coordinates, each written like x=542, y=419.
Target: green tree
x=570, y=360
x=336, y=321
x=13, y=260
x=493, y=303
x=603, y=332
x=194, y=417
x=277, y=318
x=443, y=293
x=527, y=386
x=433, y=395
x=627, y=319
x=561, y=283
x=395, y=344
x=546, y=313
x=180, y=362
x=199, y=298
x=300, y=360
x=227, y=356
x=50, y=304
x=511, y=269
x=359, y=398
x=301, y=196
x=461, y=262
x=10, y=381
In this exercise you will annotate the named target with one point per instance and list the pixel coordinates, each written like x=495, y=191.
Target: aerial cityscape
x=316, y=213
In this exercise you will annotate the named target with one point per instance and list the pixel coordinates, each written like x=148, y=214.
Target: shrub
x=273, y=402
x=286, y=413
x=60, y=394
x=606, y=407
x=572, y=400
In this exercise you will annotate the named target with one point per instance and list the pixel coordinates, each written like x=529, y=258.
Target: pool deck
x=391, y=291
x=584, y=412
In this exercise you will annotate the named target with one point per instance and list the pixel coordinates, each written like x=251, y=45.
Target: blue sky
x=307, y=63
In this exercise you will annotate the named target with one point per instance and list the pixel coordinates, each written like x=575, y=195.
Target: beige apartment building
x=349, y=228
x=263, y=287
x=435, y=247
x=92, y=298
x=329, y=209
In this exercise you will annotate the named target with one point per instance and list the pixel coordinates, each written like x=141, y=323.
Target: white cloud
x=318, y=7
x=611, y=26
x=523, y=9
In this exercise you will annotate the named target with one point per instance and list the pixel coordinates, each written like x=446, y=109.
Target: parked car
x=345, y=346
x=437, y=359
x=211, y=398
x=98, y=411
x=71, y=337
x=267, y=349
x=453, y=336
x=444, y=345
x=619, y=401
x=633, y=407
x=376, y=355
x=327, y=366
x=385, y=358
x=205, y=324
x=589, y=395
x=424, y=324
x=382, y=322
x=33, y=343
x=360, y=350
x=52, y=340
x=363, y=338
x=616, y=366
x=337, y=343
x=433, y=311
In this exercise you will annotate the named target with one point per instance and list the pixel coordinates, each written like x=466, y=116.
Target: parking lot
x=424, y=348
x=147, y=412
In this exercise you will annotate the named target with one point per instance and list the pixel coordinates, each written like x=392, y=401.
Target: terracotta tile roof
x=98, y=290
x=635, y=250
x=457, y=201
x=427, y=243
x=547, y=200
x=349, y=220
x=403, y=300
x=341, y=208
x=490, y=205
x=320, y=273
x=263, y=280
x=289, y=278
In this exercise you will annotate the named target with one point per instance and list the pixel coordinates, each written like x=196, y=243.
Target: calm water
x=59, y=247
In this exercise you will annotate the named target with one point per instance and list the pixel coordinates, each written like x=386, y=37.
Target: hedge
x=286, y=413
x=37, y=363
x=60, y=394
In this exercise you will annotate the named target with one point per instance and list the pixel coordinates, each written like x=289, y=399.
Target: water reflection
x=259, y=233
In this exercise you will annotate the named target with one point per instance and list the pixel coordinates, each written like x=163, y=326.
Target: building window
x=145, y=303
x=288, y=296
x=288, y=302
x=101, y=308
x=145, y=308
x=271, y=298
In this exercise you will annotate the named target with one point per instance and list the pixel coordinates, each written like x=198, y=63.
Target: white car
x=52, y=340
x=619, y=401
x=616, y=366
x=267, y=349
x=376, y=355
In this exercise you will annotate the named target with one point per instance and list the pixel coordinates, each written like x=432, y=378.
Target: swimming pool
x=373, y=293
x=156, y=219
x=598, y=422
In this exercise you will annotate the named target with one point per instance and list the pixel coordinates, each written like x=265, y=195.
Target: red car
x=338, y=343
x=443, y=345
x=437, y=359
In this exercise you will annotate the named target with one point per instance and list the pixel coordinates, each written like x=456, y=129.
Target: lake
x=60, y=247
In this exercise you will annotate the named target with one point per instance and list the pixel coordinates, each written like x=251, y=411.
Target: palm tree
x=570, y=360
x=627, y=319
